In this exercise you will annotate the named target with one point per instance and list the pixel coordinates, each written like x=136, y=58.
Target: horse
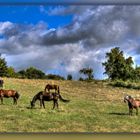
x=1, y=83
x=9, y=93
x=132, y=103
x=41, y=96
x=51, y=86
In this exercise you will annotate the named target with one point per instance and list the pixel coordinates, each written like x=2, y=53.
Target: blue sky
x=64, y=39
x=32, y=15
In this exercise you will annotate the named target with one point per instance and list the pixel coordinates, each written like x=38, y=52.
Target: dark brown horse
x=132, y=103
x=51, y=86
x=47, y=97
x=9, y=93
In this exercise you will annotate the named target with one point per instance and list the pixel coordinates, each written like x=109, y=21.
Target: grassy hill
x=94, y=107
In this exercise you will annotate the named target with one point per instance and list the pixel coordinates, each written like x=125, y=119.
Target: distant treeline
x=30, y=73
x=117, y=67
x=34, y=73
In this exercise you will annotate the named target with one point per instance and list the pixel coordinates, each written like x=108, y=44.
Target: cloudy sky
x=63, y=39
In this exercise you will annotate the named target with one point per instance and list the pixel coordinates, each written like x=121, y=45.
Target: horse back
x=137, y=102
x=49, y=86
x=7, y=93
x=50, y=96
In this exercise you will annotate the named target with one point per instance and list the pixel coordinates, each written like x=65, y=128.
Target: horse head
x=32, y=104
x=127, y=98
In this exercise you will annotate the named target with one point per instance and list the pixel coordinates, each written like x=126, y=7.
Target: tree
x=54, y=77
x=3, y=67
x=33, y=73
x=116, y=66
x=88, y=72
x=21, y=74
x=81, y=79
x=69, y=77
x=136, y=74
x=11, y=72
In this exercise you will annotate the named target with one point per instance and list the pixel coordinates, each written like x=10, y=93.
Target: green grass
x=94, y=107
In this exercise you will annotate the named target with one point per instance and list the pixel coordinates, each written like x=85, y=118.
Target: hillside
x=94, y=107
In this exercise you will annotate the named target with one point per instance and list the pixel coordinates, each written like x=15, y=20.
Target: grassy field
x=94, y=107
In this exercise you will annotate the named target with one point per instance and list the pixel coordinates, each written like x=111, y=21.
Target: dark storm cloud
x=94, y=23
x=102, y=24
x=91, y=24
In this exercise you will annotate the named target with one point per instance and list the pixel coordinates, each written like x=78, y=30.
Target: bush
x=69, y=77
x=125, y=84
x=31, y=73
x=118, y=83
x=81, y=79
x=54, y=77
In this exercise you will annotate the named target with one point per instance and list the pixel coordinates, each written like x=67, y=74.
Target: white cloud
x=82, y=43
x=5, y=26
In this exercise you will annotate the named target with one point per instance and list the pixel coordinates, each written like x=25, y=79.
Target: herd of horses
x=42, y=96
x=46, y=95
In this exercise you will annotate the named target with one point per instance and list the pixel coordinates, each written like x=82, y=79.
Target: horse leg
x=57, y=104
x=1, y=100
x=53, y=104
x=130, y=111
x=15, y=100
x=41, y=100
x=43, y=104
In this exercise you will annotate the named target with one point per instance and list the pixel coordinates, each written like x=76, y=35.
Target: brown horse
x=132, y=103
x=41, y=96
x=9, y=93
x=51, y=86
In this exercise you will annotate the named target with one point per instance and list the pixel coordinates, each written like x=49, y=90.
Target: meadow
x=94, y=107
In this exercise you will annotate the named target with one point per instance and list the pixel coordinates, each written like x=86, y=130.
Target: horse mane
x=37, y=95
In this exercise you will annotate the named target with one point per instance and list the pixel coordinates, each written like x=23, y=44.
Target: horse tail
x=17, y=95
x=64, y=100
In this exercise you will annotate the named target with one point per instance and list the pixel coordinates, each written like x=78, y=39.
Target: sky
x=62, y=40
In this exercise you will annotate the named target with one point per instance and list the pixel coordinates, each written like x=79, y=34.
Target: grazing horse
x=41, y=96
x=132, y=103
x=9, y=93
x=51, y=86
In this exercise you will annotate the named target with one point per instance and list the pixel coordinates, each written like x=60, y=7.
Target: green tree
x=88, y=72
x=129, y=70
x=21, y=74
x=54, y=77
x=3, y=67
x=11, y=72
x=81, y=79
x=136, y=74
x=69, y=77
x=116, y=66
x=33, y=73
